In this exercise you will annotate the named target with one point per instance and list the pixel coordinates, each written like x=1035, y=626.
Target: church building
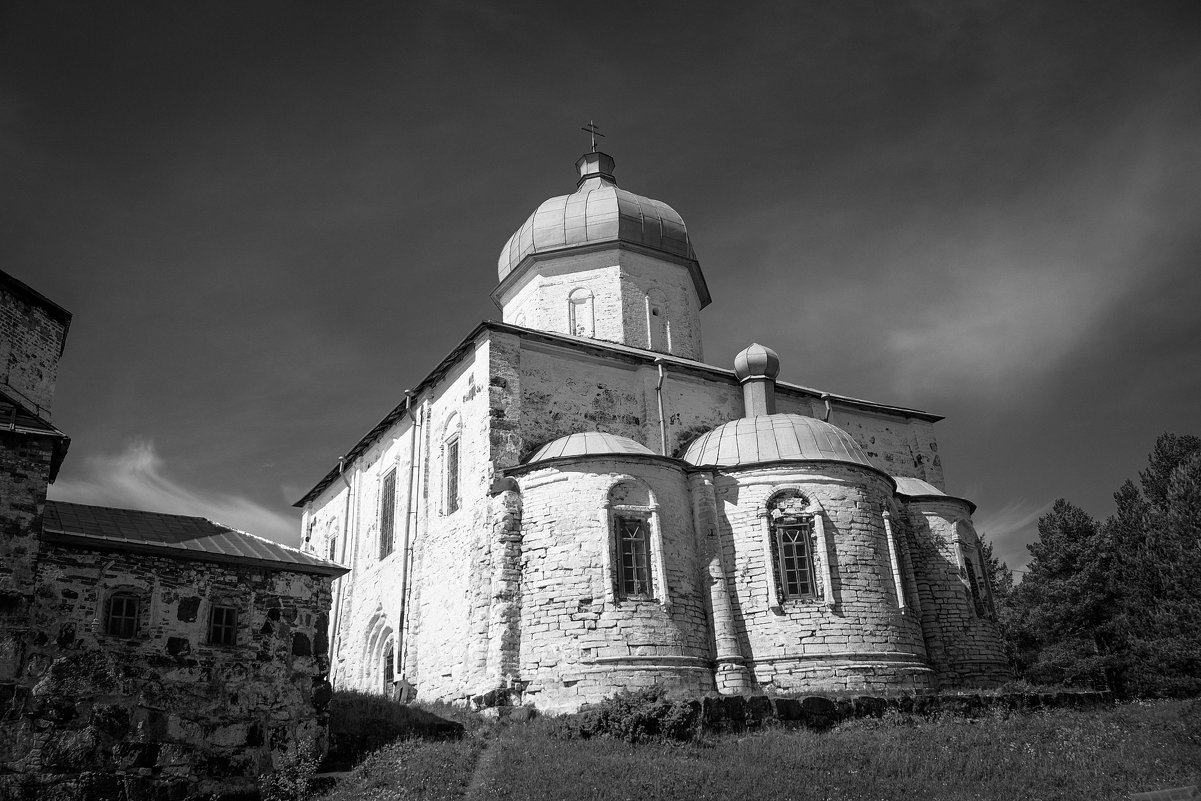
x=573, y=502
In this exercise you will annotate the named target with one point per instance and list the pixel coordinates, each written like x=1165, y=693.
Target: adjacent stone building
x=573, y=503
x=142, y=654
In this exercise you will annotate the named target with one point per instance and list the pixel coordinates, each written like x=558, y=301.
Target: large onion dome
x=775, y=437
x=597, y=212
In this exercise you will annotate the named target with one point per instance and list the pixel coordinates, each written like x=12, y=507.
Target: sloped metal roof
x=180, y=536
x=917, y=488
x=589, y=443
x=775, y=437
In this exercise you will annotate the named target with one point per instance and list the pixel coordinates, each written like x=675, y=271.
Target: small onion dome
x=775, y=437
x=589, y=443
x=597, y=212
x=916, y=488
x=757, y=361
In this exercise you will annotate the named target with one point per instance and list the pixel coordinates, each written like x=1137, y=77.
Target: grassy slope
x=1093, y=754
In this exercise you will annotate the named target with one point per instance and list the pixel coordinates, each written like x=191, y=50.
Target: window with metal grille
x=389, y=668
x=794, y=561
x=452, y=474
x=223, y=625
x=122, y=615
x=633, y=558
x=387, y=513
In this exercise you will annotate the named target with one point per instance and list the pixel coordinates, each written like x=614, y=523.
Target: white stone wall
x=858, y=638
x=964, y=641
x=580, y=642
x=564, y=391
x=445, y=599
x=620, y=282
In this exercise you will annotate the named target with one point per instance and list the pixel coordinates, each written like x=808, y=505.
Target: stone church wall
x=442, y=649
x=580, y=640
x=963, y=639
x=30, y=344
x=859, y=639
x=619, y=283
x=93, y=715
x=564, y=391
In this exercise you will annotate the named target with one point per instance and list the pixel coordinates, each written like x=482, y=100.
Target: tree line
x=1114, y=602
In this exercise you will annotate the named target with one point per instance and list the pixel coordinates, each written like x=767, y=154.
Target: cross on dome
x=591, y=128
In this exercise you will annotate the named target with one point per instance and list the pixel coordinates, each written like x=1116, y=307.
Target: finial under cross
x=592, y=129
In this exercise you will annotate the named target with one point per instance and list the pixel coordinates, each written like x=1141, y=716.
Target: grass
x=1103, y=753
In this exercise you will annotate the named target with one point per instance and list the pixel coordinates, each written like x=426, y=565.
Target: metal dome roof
x=589, y=443
x=596, y=212
x=775, y=437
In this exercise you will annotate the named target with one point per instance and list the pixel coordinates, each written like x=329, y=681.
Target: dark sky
x=269, y=219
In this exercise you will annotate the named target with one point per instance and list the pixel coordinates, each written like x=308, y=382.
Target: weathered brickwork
x=963, y=640
x=24, y=474
x=580, y=638
x=163, y=708
x=31, y=341
x=858, y=637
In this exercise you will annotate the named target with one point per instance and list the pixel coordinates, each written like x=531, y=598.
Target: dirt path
x=477, y=788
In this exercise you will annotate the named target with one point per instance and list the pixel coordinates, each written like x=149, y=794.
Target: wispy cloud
x=1011, y=528
x=138, y=478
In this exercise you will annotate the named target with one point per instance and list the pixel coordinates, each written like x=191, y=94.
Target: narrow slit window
x=123, y=616
x=452, y=475
x=974, y=585
x=387, y=514
x=633, y=559
x=223, y=626
x=389, y=668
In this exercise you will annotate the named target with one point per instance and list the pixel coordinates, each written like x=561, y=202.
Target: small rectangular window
x=452, y=475
x=123, y=616
x=794, y=562
x=223, y=626
x=333, y=547
x=387, y=514
x=633, y=558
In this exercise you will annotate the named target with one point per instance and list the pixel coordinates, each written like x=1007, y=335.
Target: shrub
x=292, y=779
x=636, y=716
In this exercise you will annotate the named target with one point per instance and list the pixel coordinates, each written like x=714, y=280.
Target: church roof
x=599, y=212
x=772, y=438
x=589, y=443
x=916, y=488
x=178, y=536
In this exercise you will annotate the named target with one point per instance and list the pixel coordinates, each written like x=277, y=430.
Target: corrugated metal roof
x=775, y=437
x=174, y=535
x=589, y=443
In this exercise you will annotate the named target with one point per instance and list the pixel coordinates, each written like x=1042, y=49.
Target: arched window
x=122, y=618
x=792, y=545
x=636, y=544
x=658, y=333
x=581, y=317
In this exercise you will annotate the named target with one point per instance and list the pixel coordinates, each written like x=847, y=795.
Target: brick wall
x=30, y=344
